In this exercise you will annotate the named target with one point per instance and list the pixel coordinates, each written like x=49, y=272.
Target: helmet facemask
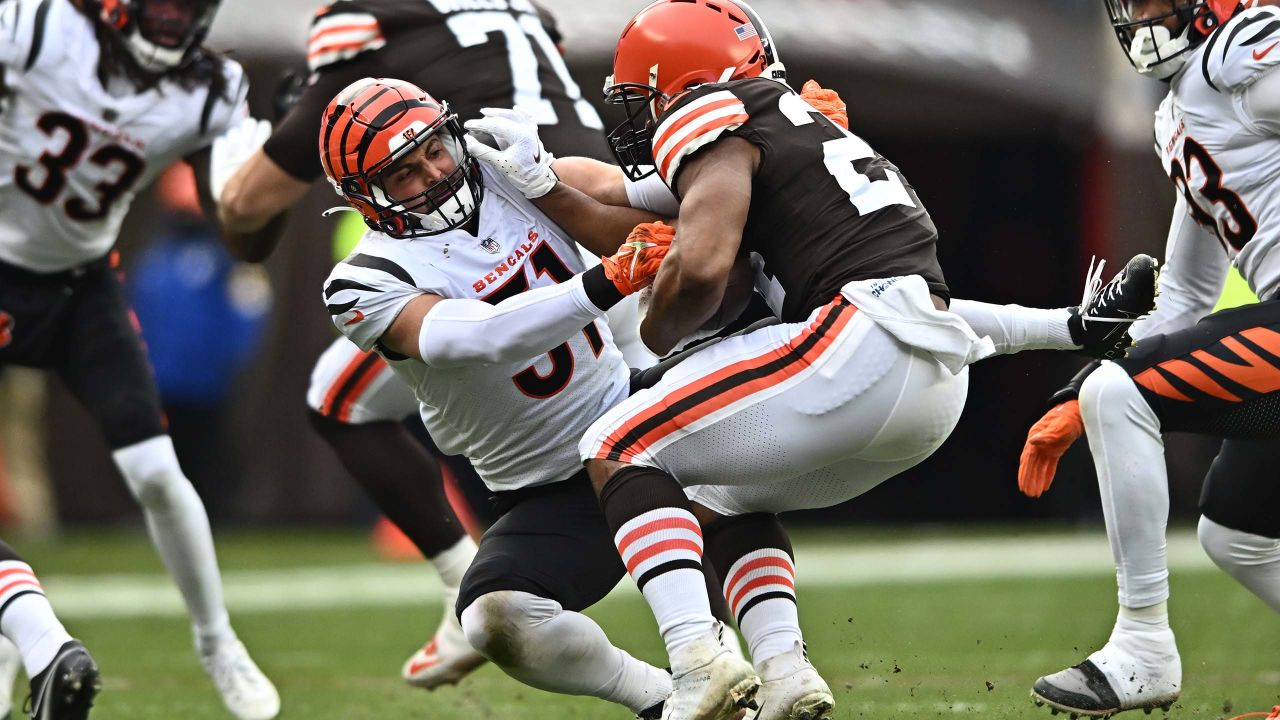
x=160, y=35
x=444, y=205
x=632, y=139
x=1153, y=49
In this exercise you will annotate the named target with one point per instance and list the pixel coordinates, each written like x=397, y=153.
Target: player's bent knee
x=498, y=624
x=1253, y=560
x=1232, y=549
x=1107, y=395
x=151, y=471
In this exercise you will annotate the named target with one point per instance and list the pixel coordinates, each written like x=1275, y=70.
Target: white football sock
x=679, y=602
x=28, y=619
x=452, y=564
x=760, y=590
x=1014, y=328
x=1128, y=453
x=662, y=550
x=771, y=629
x=179, y=529
x=1253, y=560
x=537, y=642
x=1140, y=657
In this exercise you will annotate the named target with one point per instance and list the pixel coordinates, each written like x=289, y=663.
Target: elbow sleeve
x=457, y=332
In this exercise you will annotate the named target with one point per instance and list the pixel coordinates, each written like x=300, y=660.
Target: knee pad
x=497, y=624
x=1109, y=395
x=150, y=469
x=1252, y=560
x=1233, y=550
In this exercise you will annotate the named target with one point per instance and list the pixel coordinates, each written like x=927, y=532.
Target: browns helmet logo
x=6, y=328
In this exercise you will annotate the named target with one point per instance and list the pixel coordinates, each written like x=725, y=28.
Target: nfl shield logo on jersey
x=491, y=246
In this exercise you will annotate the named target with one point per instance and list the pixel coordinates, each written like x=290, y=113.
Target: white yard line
x=912, y=561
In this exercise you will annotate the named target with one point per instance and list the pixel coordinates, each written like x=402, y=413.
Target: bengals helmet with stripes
x=159, y=35
x=371, y=125
x=671, y=46
x=1156, y=50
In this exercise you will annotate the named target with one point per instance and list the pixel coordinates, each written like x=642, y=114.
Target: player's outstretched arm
x=599, y=181
x=593, y=225
x=715, y=186
x=252, y=205
x=451, y=332
x=257, y=192
x=512, y=148
x=250, y=245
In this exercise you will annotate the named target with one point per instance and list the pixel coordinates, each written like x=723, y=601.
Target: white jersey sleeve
x=1195, y=269
x=1260, y=103
x=21, y=29
x=225, y=113
x=365, y=293
x=1242, y=50
x=652, y=194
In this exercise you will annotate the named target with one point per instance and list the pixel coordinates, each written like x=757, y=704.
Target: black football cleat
x=65, y=690
x=1100, y=324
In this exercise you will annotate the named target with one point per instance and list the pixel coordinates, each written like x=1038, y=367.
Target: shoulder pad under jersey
x=341, y=31
x=1242, y=50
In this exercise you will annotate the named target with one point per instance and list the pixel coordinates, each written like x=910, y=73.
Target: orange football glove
x=1047, y=440
x=827, y=102
x=636, y=263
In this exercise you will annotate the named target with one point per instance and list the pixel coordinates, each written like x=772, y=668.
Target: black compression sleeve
x=600, y=289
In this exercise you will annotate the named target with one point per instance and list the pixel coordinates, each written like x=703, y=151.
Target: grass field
x=912, y=625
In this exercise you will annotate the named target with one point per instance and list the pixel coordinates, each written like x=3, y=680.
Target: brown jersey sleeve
x=295, y=143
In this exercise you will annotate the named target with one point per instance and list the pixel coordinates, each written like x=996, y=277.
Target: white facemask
x=453, y=210
x=1152, y=44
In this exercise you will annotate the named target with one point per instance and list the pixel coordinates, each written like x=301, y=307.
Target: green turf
x=1236, y=292
x=967, y=649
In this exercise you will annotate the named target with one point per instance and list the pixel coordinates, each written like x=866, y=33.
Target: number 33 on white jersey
x=73, y=154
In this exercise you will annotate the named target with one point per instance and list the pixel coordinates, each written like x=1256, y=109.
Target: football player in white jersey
x=481, y=305
x=98, y=99
x=355, y=402
x=1217, y=135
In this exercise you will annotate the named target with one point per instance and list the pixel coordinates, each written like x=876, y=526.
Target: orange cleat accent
x=1272, y=714
x=1047, y=440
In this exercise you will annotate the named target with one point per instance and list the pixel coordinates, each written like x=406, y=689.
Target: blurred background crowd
x=1019, y=123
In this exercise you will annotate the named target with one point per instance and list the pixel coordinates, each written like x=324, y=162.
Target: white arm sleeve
x=1260, y=102
x=1195, y=269
x=652, y=194
x=458, y=332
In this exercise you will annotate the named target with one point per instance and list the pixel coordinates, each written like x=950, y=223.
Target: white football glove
x=232, y=149
x=519, y=154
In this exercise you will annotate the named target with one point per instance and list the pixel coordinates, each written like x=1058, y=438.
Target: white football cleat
x=711, y=683
x=1115, y=679
x=792, y=689
x=246, y=692
x=10, y=664
x=447, y=657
